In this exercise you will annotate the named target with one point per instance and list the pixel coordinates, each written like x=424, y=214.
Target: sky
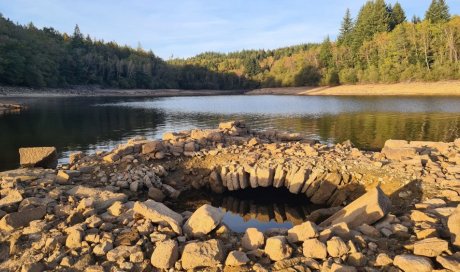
x=184, y=28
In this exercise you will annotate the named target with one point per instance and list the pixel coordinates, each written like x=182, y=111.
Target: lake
x=99, y=123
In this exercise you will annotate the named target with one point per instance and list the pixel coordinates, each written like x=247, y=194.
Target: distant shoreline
x=440, y=88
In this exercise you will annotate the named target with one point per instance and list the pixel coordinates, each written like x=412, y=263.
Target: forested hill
x=46, y=58
x=379, y=46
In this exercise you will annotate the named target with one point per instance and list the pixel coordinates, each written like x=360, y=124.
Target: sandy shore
x=442, y=88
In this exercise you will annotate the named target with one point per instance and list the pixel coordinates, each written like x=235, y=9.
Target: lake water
x=89, y=124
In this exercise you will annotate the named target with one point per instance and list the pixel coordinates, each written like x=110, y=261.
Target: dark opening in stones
x=261, y=208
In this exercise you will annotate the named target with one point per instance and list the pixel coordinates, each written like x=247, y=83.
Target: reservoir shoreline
x=440, y=88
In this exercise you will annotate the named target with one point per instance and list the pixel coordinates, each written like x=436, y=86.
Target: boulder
x=102, y=198
x=430, y=247
x=165, y=254
x=21, y=218
x=367, y=209
x=203, y=221
x=302, y=232
x=410, y=263
x=277, y=248
x=326, y=188
x=159, y=213
x=336, y=247
x=45, y=157
x=453, y=223
x=313, y=248
x=399, y=153
x=203, y=254
x=265, y=176
x=252, y=239
x=236, y=258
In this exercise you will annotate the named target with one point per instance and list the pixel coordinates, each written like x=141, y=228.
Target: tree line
x=380, y=45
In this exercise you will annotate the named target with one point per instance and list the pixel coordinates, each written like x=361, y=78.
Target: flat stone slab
x=159, y=213
x=367, y=209
x=45, y=157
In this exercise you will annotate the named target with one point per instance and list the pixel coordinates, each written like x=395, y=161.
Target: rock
x=302, y=232
x=313, y=248
x=357, y=259
x=450, y=262
x=74, y=238
x=383, y=260
x=336, y=247
x=116, y=209
x=45, y=157
x=102, y=198
x=367, y=209
x=152, y=147
x=156, y=194
x=326, y=188
x=203, y=254
x=159, y=213
x=165, y=254
x=236, y=258
x=453, y=223
x=21, y=218
x=335, y=267
x=430, y=247
x=277, y=248
x=252, y=239
x=13, y=196
x=418, y=216
x=215, y=182
x=410, y=263
x=203, y=221
x=122, y=252
x=102, y=248
x=285, y=265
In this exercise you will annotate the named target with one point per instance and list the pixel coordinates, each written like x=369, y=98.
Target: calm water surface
x=89, y=124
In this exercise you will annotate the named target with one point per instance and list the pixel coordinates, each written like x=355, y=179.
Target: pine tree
x=398, y=16
x=374, y=17
x=325, y=54
x=437, y=12
x=346, y=29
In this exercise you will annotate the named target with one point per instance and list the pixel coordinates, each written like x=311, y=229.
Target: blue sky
x=187, y=27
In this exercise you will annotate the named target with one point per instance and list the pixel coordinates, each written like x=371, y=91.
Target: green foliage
x=398, y=16
x=438, y=12
x=346, y=30
x=325, y=54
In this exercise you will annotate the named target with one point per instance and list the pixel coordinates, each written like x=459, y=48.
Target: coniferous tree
x=438, y=12
x=374, y=17
x=346, y=29
x=325, y=54
x=398, y=16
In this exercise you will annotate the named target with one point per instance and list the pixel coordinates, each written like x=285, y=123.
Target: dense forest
x=379, y=46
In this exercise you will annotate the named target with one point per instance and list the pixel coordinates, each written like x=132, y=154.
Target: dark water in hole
x=91, y=123
x=261, y=208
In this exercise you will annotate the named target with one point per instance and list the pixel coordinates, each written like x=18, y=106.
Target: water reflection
x=262, y=208
x=91, y=123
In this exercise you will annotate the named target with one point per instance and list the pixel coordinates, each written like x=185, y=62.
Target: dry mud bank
x=114, y=211
x=441, y=88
